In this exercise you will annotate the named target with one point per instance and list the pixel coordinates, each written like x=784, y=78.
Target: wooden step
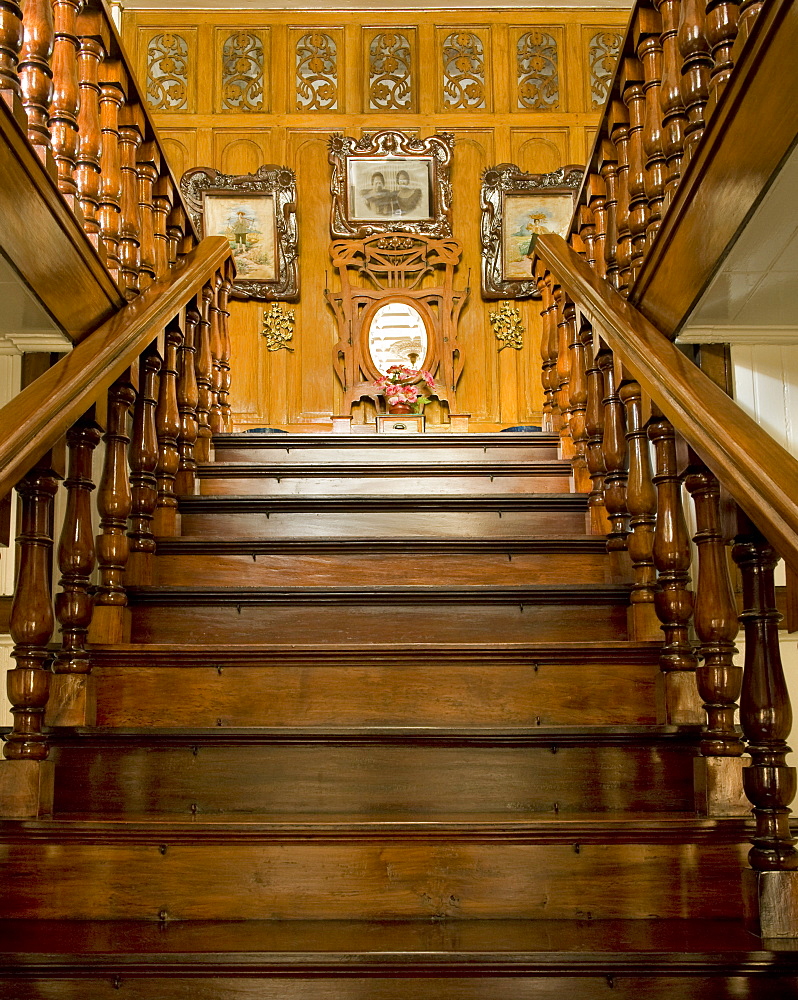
x=419, y=684
x=314, y=562
x=386, y=479
x=382, y=516
x=339, y=868
x=407, y=771
x=397, y=960
x=362, y=615
x=365, y=448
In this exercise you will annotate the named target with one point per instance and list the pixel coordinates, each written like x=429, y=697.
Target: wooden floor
x=380, y=731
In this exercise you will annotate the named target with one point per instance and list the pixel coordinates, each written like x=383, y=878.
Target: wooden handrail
x=758, y=473
x=35, y=419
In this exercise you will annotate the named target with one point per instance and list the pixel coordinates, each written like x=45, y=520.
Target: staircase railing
x=155, y=379
x=613, y=383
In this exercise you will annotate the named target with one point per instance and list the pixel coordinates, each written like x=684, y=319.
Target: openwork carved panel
x=167, y=72
x=603, y=52
x=316, y=72
x=391, y=182
x=390, y=72
x=393, y=269
x=516, y=206
x=257, y=214
x=463, y=71
x=538, y=71
x=242, y=73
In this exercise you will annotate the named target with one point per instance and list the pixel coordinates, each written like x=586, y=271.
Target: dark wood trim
x=745, y=141
x=758, y=473
x=35, y=419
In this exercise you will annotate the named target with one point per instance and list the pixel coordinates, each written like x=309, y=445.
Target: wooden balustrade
x=187, y=403
x=677, y=58
x=65, y=101
x=203, y=360
x=143, y=461
x=10, y=47
x=642, y=377
x=167, y=426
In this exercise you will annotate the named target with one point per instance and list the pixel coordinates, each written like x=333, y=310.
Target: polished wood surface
x=40, y=414
x=724, y=437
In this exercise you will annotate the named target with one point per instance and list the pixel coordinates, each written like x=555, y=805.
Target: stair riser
x=315, y=622
x=383, y=524
x=420, y=451
x=380, y=568
x=591, y=986
x=369, y=779
x=378, y=694
x=255, y=484
x=370, y=881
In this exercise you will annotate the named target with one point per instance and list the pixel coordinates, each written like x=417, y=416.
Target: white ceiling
x=753, y=299
x=24, y=323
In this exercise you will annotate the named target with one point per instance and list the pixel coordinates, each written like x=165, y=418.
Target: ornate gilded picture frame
x=391, y=182
x=516, y=206
x=257, y=214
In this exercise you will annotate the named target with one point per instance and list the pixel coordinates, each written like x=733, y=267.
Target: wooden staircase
x=380, y=732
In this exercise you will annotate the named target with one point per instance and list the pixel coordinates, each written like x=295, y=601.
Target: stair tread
x=355, y=945
x=431, y=593
x=388, y=648
x=354, y=440
x=377, y=501
x=464, y=467
x=570, y=543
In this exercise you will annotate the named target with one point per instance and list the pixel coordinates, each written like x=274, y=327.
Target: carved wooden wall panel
x=242, y=70
x=391, y=75
x=465, y=69
x=300, y=389
x=538, y=70
x=171, y=68
x=603, y=46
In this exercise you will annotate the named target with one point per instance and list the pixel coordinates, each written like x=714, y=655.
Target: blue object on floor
x=522, y=427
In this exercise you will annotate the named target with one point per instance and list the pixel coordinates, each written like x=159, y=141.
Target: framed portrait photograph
x=397, y=187
x=515, y=207
x=257, y=214
x=391, y=182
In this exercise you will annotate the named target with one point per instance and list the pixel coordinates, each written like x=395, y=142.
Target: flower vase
x=399, y=409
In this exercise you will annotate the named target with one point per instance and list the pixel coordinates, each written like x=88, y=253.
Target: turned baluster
x=76, y=554
x=148, y=162
x=608, y=166
x=597, y=203
x=35, y=74
x=696, y=66
x=162, y=205
x=224, y=361
x=673, y=600
x=594, y=428
x=187, y=399
x=587, y=233
x=167, y=424
x=87, y=163
x=674, y=118
x=178, y=234
x=641, y=504
x=113, y=507
x=577, y=400
x=721, y=30
x=649, y=50
x=619, y=118
x=715, y=620
x=111, y=101
x=130, y=129
x=32, y=620
x=549, y=316
x=66, y=93
x=614, y=454
x=203, y=361
x=765, y=712
x=749, y=12
x=217, y=425
x=10, y=47
x=143, y=460
x=634, y=98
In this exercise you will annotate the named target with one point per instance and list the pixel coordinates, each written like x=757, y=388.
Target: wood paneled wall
x=298, y=390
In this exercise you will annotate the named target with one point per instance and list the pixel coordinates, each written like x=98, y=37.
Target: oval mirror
x=397, y=335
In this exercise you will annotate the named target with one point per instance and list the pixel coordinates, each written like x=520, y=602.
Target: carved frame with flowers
x=498, y=182
x=384, y=145
x=280, y=183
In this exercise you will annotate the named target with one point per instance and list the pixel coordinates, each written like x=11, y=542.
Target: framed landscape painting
x=256, y=213
x=515, y=207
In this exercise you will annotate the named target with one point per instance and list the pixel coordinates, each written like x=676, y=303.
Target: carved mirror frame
x=271, y=189
x=389, y=148
x=498, y=184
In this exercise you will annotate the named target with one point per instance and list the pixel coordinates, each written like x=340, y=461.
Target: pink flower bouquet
x=401, y=386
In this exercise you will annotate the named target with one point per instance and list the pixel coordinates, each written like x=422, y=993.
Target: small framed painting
x=391, y=182
x=257, y=214
x=515, y=207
